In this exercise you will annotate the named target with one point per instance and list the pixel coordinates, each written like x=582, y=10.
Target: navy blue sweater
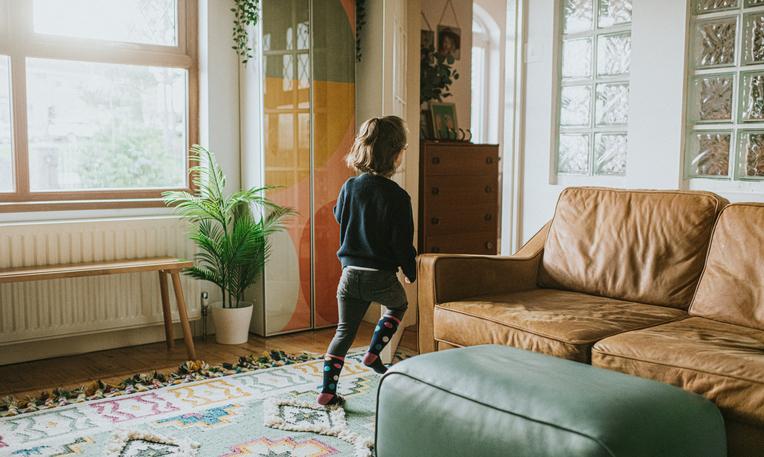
x=376, y=225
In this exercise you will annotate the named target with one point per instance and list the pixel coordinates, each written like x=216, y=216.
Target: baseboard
x=36, y=350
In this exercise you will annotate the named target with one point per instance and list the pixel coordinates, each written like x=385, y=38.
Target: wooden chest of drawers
x=458, y=198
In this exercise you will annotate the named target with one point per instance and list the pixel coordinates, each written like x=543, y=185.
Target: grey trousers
x=355, y=292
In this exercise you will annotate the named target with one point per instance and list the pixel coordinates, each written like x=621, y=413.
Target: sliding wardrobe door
x=308, y=120
x=333, y=132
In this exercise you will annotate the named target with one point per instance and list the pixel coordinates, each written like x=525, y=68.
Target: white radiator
x=33, y=311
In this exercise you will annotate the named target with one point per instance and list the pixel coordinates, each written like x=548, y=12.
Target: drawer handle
x=435, y=249
x=487, y=217
x=488, y=189
x=489, y=160
x=435, y=191
x=435, y=221
x=488, y=245
x=435, y=160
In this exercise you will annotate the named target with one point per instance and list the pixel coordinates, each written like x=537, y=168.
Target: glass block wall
x=595, y=60
x=725, y=111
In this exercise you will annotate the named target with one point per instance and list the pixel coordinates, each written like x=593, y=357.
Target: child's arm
x=338, y=206
x=403, y=240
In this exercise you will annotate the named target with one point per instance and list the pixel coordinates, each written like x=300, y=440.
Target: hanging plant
x=360, y=21
x=437, y=75
x=245, y=16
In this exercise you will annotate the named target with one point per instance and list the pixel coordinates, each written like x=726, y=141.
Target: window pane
x=751, y=159
x=577, y=58
x=614, y=54
x=610, y=153
x=614, y=12
x=575, y=106
x=574, y=153
x=578, y=16
x=715, y=42
x=135, y=21
x=612, y=105
x=6, y=151
x=105, y=126
x=709, y=154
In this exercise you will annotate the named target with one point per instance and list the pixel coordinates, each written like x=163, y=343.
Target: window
x=486, y=77
x=594, y=87
x=97, y=101
x=481, y=42
x=726, y=101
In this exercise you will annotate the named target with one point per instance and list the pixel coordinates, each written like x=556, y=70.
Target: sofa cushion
x=555, y=322
x=723, y=362
x=642, y=246
x=731, y=288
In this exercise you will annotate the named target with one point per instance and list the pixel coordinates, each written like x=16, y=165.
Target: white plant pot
x=231, y=324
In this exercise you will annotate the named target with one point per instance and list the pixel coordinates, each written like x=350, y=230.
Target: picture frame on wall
x=428, y=39
x=444, y=123
x=449, y=41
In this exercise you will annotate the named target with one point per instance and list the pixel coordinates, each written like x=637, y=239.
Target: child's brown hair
x=377, y=145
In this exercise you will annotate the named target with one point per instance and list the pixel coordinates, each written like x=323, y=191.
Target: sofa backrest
x=642, y=246
x=731, y=288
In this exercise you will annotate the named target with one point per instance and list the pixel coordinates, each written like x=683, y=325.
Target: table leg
x=183, y=312
x=166, y=310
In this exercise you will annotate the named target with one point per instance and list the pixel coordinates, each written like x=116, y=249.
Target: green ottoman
x=499, y=401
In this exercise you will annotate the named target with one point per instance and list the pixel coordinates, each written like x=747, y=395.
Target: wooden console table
x=163, y=265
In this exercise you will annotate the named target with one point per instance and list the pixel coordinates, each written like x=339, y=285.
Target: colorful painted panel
x=309, y=117
x=286, y=122
x=333, y=131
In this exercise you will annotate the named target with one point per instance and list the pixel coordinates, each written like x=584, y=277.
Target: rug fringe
x=120, y=438
x=189, y=371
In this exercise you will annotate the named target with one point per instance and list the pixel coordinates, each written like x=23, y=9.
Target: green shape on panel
x=287, y=30
x=333, y=42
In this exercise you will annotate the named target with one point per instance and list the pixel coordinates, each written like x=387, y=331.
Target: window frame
x=19, y=41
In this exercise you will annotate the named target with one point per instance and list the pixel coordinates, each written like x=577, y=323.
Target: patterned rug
x=219, y=415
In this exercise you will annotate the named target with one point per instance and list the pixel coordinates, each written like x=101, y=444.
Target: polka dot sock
x=332, y=368
x=384, y=330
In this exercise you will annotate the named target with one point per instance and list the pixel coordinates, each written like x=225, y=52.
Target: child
x=376, y=235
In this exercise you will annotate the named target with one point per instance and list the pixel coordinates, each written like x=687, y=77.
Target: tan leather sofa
x=718, y=351
x=609, y=281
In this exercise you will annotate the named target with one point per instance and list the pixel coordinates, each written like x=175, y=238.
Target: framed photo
x=428, y=39
x=425, y=125
x=449, y=41
x=444, y=120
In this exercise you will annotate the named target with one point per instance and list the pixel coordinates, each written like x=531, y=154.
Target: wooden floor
x=112, y=366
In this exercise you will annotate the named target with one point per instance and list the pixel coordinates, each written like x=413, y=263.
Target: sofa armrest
x=449, y=277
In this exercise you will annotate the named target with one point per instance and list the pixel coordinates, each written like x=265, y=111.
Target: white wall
x=656, y=116
x=432, y=9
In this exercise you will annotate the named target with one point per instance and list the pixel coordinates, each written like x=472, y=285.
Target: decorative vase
x=231, y=324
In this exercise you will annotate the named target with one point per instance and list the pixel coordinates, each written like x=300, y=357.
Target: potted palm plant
x=231, y=233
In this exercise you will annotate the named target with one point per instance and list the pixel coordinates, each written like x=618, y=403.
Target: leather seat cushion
x=732, y=286
x=642, y=246
x=561, y=323
x=723, y=362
